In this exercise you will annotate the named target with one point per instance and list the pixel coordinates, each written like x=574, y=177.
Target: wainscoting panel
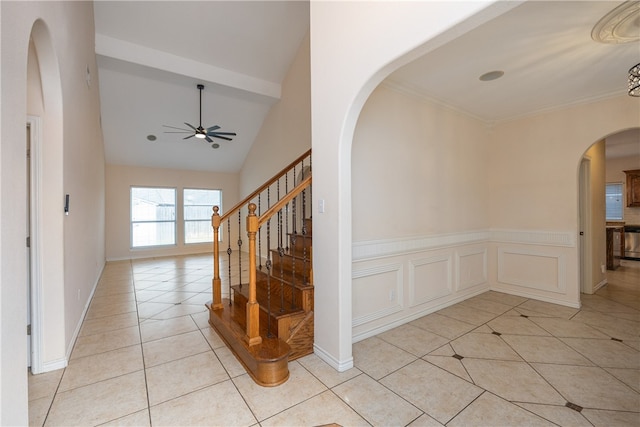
x=531, y=269
x=472, y=268
x=399, y=280
x=377, y=292
x=429, y=279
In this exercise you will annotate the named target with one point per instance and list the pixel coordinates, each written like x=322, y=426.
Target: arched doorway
x=603, y=163
x=44, y=219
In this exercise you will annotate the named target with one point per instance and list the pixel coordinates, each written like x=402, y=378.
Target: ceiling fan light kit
x=621, y=26
x=634, y=80
x=200, y=132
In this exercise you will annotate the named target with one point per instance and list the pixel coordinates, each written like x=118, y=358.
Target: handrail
x=286, y=199
x=264, y=186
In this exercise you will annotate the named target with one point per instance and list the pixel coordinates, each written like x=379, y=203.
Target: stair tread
x=261, y=276
x=290, y=254
x=275, y=312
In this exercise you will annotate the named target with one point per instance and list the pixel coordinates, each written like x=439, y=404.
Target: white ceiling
x=151, y=55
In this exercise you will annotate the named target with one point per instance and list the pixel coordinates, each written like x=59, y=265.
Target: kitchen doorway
x=584, y=224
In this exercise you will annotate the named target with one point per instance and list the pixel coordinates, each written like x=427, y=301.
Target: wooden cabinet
x=633, y=188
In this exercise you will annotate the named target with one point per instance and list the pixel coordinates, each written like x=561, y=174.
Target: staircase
x=267, y=318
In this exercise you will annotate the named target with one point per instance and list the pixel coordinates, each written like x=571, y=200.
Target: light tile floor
x=146, y=356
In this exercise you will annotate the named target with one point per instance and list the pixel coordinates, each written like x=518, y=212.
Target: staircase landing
x=267, y=362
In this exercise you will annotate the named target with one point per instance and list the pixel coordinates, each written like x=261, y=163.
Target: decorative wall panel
x=429, y=279
x=531, y=269
x=377, y=292
x=471, y=268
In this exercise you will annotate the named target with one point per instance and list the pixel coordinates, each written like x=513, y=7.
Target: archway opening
x=604, y=210
x=45, y=220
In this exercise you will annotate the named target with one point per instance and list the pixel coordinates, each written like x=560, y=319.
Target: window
x=153, y=216
x=197, y=214
x=613, y=201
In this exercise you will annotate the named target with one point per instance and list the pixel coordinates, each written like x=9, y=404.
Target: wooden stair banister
x=253, y=308
x=217, y=282
x=264, y=186
x=283, y=201
x=265, y=352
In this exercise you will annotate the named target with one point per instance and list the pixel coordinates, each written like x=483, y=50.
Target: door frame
x=584, y=224
x=35, y=284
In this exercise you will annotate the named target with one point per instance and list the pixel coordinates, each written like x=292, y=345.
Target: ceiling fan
x=200, y=132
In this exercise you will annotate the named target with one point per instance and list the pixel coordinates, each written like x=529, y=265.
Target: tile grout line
x=144, y=365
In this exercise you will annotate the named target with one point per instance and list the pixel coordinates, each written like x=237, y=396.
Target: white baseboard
x=417, y=315
x=54, y=365
x=599, y=285
x=534, y=296
x=74, y=337
x=338, y=365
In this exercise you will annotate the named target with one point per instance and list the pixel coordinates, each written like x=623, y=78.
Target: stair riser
x=298, y=281
x=308, y=224
x=303, y=298
x=280, y=327
x=300, y=243
x=301, y=266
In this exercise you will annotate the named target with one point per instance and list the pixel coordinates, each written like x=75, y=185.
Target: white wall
x=417, y=168
x=65, y=45
x=286, y=131
x=534, y=196
x=615, y=173
x=420, y=213
x=121, y=178
x=350, y=56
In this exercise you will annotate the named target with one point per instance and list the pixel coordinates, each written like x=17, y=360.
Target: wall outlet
x=603, y=268
x=392, y=295
x=78, y=294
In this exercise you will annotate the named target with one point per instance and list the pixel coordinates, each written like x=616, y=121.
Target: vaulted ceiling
x=151, y=56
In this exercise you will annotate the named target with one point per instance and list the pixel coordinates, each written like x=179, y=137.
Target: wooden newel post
x=216, y=282
x=253, y=308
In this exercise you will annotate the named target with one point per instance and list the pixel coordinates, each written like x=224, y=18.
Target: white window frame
x=207, y=219
x=619, y=203
x=132, y=222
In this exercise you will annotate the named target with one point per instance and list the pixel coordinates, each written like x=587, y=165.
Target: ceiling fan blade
x=222, y=137
x=213, y=128
x=221, y=133
x=173, y=127
x=208, y=139
x=190, y=136
x=191, y=126
x=182, y=131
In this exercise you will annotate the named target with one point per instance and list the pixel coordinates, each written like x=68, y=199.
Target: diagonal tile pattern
x=146, y=356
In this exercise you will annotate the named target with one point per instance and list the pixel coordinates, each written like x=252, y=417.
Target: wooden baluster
x=229, y=252
x=259, y=235
x=269, y=265
x=216, y=282
x=240, y=249
x=310, y=191
x=253, y=308
x=286, y=209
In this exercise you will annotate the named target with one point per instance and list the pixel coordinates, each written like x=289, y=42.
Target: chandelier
x=634, y=80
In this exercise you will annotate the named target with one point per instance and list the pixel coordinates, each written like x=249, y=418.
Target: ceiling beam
x=141, y=55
